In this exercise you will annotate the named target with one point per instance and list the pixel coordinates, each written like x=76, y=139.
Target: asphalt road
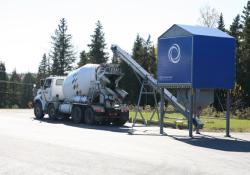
x=29, y=146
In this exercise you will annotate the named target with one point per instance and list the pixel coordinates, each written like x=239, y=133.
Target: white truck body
x=89, y=93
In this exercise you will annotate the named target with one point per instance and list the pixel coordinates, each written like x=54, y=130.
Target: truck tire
x=89, y=116
x=38, y=111
x=76, y=114
x=52, y=112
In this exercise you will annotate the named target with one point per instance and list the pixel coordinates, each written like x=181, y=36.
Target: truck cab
x=52, y=88
x=50, y=92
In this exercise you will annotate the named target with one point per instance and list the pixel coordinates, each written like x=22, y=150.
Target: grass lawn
x=210, y=124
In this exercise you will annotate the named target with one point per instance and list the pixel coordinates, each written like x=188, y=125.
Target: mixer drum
x=78, y=82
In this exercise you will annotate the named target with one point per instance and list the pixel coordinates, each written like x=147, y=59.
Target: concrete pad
x=29, y=146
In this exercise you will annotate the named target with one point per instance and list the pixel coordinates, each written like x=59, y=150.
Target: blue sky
x=26, y=26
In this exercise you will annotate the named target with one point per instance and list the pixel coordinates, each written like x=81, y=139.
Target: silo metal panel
x=214, y=62
x=204, y=31
x=207, y=58
x=174, y=61
x=175, y=31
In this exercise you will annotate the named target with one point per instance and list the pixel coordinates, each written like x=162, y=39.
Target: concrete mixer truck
x=88, y=94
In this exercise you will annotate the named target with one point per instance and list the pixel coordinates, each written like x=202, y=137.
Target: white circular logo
x=174, y=53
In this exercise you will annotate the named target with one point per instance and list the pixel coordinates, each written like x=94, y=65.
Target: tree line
x=240, y=30
x=62, y=59
x=16, y=90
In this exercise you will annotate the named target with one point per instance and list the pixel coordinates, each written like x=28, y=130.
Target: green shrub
x=15, y=106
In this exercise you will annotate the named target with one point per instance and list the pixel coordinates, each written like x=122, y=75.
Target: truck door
x=47, y=89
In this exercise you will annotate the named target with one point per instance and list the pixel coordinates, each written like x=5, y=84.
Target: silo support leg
x=190, y=120
x=162, y=111
x=228, y=115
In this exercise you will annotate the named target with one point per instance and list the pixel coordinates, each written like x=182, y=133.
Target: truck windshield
x=47, y=83
x=59, y=82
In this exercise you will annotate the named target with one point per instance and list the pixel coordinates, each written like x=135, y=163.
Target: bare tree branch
x=208, y=16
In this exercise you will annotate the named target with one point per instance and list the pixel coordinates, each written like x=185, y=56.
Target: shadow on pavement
x=224, y=144
x=68, y=122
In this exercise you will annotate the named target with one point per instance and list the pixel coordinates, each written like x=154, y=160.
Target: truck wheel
x=77, y=114
x=52, y=112
x=89, y=116
x=38, y=111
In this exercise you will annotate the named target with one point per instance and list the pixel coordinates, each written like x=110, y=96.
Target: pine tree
x=14, y=89
x=97, y=47
x=246, y=12
x=153, y=60
x=246, y=27
x=27, y=90
x=236, y=29
x=49, y=66
x=3, y=86
x=63, y=55
x=130, y=81
x=245, y=57
x=144, y=54
x=138, y=50
x=220, y=94
x=115, y=60
x=237, y=94
x=149, y=64
x=43, y=69
x=55, y=68
x=221, y=24
x=83, y=59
